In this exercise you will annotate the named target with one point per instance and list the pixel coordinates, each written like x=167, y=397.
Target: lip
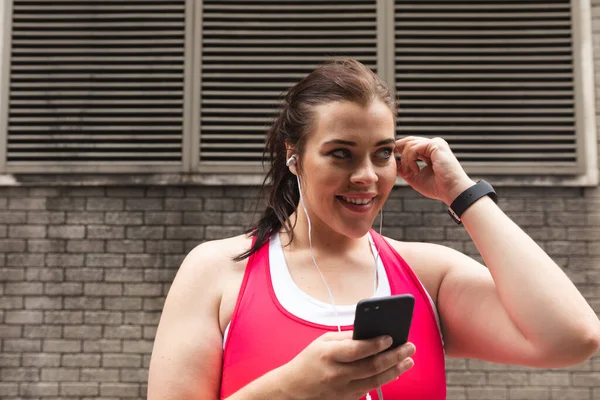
x=358, y=195
x=357, y=208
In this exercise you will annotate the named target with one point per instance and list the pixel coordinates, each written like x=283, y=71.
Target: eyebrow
x=350, y=143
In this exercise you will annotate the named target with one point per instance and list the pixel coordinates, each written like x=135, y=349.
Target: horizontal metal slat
x=93, y=154
x=487, y=110
x=535, y=147
x=100, y=128
x=247, y=33
x=294, y=16
x=86, y=6
x=287, y=42
x=67, y=51
x=479, y=32
x=480, y=24
x=283, y=7
x=53, y=110
x=491, y=84
x=482, y=51
x=99, y=17
x=101, y=58
x=412, y=5
x=483, y=74
x=95, y=24
x=484, y=93
x=75, y=33
x=483, y=58
x=481, y=41
x=516, y=156
x=483, y=128
x=116, y=138
x=530, y=15
x=296, y=25
x=288, y=49
x=222, y=59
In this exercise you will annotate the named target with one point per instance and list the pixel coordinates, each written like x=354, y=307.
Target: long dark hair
x=335, y=80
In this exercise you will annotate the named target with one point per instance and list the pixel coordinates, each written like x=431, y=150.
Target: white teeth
x=357, y=201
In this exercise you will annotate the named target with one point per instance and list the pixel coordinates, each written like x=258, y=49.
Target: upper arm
x=187, y=352
x=474, y=321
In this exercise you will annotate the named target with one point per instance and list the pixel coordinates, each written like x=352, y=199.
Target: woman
x=268, y=315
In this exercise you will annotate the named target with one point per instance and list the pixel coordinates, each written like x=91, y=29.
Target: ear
x=288, y=153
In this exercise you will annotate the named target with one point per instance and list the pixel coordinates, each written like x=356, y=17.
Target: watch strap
x=470, y=196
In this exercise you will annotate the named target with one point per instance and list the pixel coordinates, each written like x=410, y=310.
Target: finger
x=348, y=351
x=380, y=363
x=368, y=384
x=407, y=156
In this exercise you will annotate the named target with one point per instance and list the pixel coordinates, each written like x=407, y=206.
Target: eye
x=340, y=153
x=386, y=153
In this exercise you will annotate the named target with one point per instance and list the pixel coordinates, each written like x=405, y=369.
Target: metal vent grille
x=96, y=82
x=253, y=51
x=494, y=78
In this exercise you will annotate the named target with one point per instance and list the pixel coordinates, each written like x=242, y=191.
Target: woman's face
x=348, y=166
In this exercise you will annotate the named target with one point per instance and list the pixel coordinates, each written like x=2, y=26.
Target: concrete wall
x=84, y=272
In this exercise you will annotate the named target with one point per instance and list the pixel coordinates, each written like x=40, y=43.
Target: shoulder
x=429, y=261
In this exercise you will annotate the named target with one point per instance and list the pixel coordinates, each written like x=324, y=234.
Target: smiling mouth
x=360, y=202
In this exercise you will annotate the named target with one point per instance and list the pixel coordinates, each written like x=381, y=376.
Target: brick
x=11, y=360
x=165, y=191
x=134, y=375
x=124, y=218
x=223, y=204
x=528, y=393
x=146, y=204
x=143, y=289
x=103, y=317
x=23, y=288
x=104, y=260
x=13, y=217
x=123, y=332
x=163, y=218
x=63, y=317
x=64, y=260
x=123, y=304
x=60, y=374
x=550, y=378
x=425, y=233
x=103, y=289
x=46, y=217
x=83, y=303
x=121, y=360
x=478, y=393
x=85, y=246
x=466, y=378
x=586, y=234
x=240, y=191
x=9, y=389
x=125, y=246
x=45, y=274
x=43, y=303
x=42, y=331
x=82, y=332
x=46, y=246
x=22, y=345
x=185, y=232
x=408, y=219
x=85, y=217
x=124, y=275
x=164, y=246
x=125, y=192
x=185, y=204
x=12, y=246
x=138, y=346
x=65, y=204
x=104, y=204
x=159, y=275
x=41, y=360
x=105, y=232
x=12, y=302
x=81, y=360
x=66, y=231
x=102, y=346
x=145, y=232
x=42, y=389
x=144, y=261
x=25, y=260
x=28, y=203
x=203, y=218
x=508, y=378
x=79, y=389
x=547, y=233
x=565, y=248
x=64, y=288
x=587, y=379
x=99, y=375
x=153, y=304
x=571, y=393
x=423, y=205
x=76, y=191
x=23, y=317
x=85, y=274
x=119, y=389
x=149, y=332
x=19, y=374
x=27, y=231
x=12, y=274
x=220, y=232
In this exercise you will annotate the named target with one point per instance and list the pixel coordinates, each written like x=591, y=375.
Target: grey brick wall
x=84, y=272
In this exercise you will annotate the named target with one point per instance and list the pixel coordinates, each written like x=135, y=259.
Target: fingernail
x=387, y=341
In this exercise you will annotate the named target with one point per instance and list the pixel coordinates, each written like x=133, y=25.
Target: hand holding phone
x=389, y=315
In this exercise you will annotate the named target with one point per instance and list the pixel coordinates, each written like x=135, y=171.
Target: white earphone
x=291, y=160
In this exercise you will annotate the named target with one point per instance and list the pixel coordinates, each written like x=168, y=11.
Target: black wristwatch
x=470, y=196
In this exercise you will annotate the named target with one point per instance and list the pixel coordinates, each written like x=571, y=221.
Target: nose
x=364, y=174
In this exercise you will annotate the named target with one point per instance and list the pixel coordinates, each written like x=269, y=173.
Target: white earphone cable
x=368, y=396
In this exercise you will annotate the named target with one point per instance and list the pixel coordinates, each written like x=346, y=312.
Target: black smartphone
x=389, y=315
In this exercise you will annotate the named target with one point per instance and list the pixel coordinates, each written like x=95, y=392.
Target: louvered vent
x=96, y=82
x=254, y=50
x=494, y=78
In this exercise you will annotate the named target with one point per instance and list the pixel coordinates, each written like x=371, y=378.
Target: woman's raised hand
x=336, y=367
x=442, y=179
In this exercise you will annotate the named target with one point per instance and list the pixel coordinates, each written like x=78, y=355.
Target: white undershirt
x=302, y=305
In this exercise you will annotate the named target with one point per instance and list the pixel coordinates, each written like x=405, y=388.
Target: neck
x=324, y=239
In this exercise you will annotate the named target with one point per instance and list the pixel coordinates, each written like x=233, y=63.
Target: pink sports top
x=263, y=335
